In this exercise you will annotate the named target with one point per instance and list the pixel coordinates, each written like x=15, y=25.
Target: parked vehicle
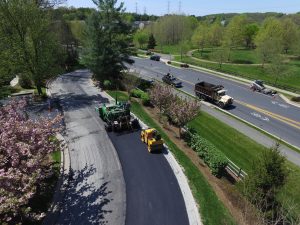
x=213, y=93
x=117, y=117
x=171, y=80
x=184, y=65
x=153, y=140
x=258, y=85
x=155, y=57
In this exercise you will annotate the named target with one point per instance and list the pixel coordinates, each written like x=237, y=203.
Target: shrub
x=136, y=93
x=107, y=84
x=214, y=158
x=296, y=99
x=25, y=81
x=145, y=99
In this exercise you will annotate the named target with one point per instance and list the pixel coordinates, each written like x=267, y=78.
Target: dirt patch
x=227, y=192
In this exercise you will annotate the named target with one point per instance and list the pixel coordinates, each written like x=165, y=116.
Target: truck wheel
x=221, y=105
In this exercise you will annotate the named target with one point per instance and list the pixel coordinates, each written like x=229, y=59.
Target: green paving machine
x=117, y=117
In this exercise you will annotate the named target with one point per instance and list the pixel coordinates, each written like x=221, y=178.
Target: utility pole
x=179, y=7
x=145, y=10
x=136, y=8
x=168, y=7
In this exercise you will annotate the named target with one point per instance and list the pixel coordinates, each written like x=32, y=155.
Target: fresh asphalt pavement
x=153, y=193
x=97, y=192
x=271, y=114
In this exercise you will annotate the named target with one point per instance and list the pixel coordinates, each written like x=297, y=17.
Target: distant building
x=141, y=24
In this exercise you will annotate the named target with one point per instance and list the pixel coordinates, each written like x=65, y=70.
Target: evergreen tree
x=107, y=39
x=151, y=42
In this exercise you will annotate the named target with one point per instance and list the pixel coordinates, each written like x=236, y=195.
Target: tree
x=277, y=67
x=183, y=111
x=289, y=34
x=221, y=55
x=235, y=31
x=107, y=40
x=31, y=47
x=25, y=145
x=266, y=178
x=269, y=40
x=216, y=32
x=141, y=37
x=200, y=37
x=161, y=96
x=151, y=42
x=251, y=31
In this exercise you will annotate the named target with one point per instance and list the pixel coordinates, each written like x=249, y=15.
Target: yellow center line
x=283, y=119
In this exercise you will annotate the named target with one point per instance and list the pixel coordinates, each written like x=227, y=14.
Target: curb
x=288, y=101
x=189, y=200
x=62, y=183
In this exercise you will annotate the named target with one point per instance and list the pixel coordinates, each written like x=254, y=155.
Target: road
x=271, y=114
x=153, y=193
x=98, y=192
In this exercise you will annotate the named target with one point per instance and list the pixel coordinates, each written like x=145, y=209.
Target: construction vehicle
x=258, y=85
x=153, y=140
x=117, y=117
x=213, y=93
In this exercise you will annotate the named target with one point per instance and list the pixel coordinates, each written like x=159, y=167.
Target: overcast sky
x=202, y=7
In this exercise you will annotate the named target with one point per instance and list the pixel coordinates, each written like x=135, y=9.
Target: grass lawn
x=239, y=56
x=290, y=81
x=169, y=49
x=211, y=208
x=243, y=151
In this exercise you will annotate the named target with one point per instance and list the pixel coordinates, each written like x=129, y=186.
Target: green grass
x=169, y=49
x=291, y=81
x=243, y=151
x=211, y=208
x=238, y=56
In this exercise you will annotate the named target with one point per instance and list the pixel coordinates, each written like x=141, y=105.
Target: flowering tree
x=183, y=111
x=162, y=96
x=25, y=145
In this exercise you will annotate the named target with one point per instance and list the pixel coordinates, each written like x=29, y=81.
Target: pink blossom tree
x=162, y=96
x=25, y=145
x=183, y=111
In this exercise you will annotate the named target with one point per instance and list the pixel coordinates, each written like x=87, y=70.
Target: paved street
x=270, y=114
x=98, y=192
x=153, y=193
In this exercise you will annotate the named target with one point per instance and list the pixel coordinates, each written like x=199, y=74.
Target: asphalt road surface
x=96, y=191
x=271, y=114
x=153, y=193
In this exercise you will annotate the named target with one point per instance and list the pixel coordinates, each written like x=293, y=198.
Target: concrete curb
x=289, y=101
x=190, y=203
x=62, y=183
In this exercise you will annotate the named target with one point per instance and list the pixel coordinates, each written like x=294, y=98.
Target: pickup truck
x=213, y=93
x=171, y=80
x=258, y=85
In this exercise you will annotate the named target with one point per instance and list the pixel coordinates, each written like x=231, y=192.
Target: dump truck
x=153, y=140
x=117, y=117
x=213, y=93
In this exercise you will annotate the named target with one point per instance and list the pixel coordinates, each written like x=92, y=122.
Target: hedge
x=136, y=93
x=213, y=157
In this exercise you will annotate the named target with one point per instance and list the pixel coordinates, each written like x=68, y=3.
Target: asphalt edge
x=64, y=176
x=189, y=200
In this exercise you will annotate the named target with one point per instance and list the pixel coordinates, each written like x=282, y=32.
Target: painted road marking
x=257, y=115
x=280, y=104
x=283, y=119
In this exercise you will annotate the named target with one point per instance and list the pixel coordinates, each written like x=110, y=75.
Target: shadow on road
x=85, y=203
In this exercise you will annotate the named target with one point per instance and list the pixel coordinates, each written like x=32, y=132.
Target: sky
x=202, y=7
